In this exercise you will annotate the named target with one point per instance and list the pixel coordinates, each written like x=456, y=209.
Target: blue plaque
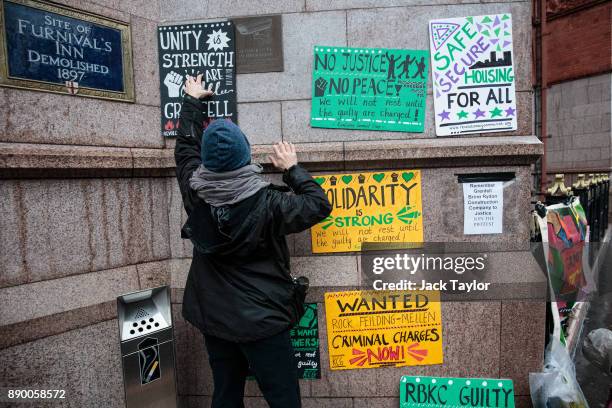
x=59, y=49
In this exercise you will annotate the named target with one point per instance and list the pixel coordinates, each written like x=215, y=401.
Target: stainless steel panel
x=147, y=348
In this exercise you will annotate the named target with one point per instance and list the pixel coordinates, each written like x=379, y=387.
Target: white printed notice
x=473, y=74
x=483, y=205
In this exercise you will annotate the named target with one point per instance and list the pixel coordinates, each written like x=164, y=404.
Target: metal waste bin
x=147, y=348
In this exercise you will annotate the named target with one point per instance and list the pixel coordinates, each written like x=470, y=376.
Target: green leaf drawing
x=407, y=217
x=329, y=221
x=319, y=180
x=403, y=210
x=347, y=179
x=413, y=215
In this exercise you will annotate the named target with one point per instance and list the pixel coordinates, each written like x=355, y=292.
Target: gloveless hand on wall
x=194, y=87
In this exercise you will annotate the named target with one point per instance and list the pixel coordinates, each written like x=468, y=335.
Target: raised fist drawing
x=320, y=85
x=173, y=82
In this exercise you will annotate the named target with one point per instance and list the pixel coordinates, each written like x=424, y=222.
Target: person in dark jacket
x=239, y=292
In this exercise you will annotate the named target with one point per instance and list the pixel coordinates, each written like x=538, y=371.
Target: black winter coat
x=239, y=286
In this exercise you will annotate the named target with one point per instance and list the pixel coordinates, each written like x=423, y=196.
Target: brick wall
x=579, y=44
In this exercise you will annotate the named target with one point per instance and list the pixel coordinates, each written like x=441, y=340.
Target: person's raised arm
x=188, y=141
x=309, y=205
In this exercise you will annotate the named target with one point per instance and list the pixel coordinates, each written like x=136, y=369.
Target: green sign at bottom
x=305, y=342
x=420, y=392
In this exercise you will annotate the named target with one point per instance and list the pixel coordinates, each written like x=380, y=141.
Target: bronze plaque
x=53, y=48
x=259, y=44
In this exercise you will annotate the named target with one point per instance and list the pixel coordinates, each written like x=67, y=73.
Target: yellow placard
x=373, y=207
x=371, y=329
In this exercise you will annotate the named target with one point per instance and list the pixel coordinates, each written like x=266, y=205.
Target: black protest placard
x=192, y=49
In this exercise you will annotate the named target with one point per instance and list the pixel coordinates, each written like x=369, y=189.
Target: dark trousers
x=271, y=361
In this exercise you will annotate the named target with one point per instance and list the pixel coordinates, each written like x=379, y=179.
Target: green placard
x=305, y=342
x=455, y=392
x=369, y=88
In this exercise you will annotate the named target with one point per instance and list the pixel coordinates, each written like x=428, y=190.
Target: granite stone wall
x=90, y=208
x=578, y=119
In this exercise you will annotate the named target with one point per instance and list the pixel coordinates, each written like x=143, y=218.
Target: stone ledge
x=443, y=152
x=43, y=160
x=46, y=308
x=43, y=298
x=40, y=327
x=44, y=156
x=153, y=158
x=461, y=151
x=26, y=160
x=471, y=147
